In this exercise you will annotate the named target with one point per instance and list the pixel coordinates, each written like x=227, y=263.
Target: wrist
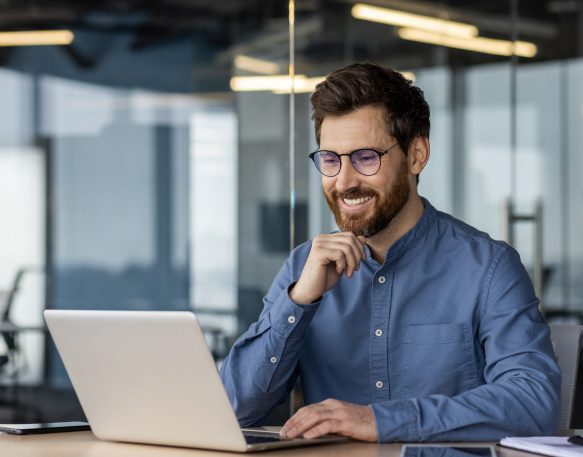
x=300, y=298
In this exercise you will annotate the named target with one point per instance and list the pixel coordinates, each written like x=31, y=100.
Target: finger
x=337, y=254
x=353, y=256
x=362, y=243
x=358, y=251
x=324, y=428
x=353, y=251
x=329, y=250
x=289, y=428
x=349, y=244
x=305, y=419
x=295, y=419
x=342, y=251
x=357, y=243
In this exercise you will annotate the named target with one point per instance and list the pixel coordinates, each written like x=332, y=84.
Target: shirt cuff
x=289, y=318
x=396, y=420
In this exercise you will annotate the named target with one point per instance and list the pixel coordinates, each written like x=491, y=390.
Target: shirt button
x=273, y=359
x=378, y=332
x=379, y=384
x=381, y=279
x=291, y=319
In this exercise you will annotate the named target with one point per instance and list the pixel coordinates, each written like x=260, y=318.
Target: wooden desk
x=84, y=444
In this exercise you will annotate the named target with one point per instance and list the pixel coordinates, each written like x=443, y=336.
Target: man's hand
x=330, y=256
x=332, y=417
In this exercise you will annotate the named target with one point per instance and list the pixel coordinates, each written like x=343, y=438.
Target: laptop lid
x=145, y=377
x=148, y=377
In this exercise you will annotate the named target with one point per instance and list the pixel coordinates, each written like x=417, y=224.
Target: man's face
x=363, y=204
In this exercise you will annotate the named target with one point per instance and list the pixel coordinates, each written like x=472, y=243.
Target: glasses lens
x=327, y=162
x=366, y=161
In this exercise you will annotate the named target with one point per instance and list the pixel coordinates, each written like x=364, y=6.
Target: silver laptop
x=148, y=377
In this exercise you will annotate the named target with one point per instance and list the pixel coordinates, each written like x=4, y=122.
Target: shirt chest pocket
x=438, y=359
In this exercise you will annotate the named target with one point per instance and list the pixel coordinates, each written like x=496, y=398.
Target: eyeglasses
x=366, y=161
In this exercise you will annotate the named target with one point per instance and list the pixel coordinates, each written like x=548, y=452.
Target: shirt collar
x=409, y=239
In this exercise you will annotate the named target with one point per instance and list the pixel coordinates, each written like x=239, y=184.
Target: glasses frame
x=349, y=154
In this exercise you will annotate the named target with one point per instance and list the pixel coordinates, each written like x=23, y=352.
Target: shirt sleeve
x=261, y=368
x=522, y=379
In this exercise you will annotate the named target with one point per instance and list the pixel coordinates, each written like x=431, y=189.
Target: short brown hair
x=362, y=84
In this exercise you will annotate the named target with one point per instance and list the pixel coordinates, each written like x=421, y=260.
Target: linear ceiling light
x=254, y=65
x=303, y=85
x=477, y=44
x=409, y=75
x=278, y=83
x=403, y=19
x=36, y=38
x=281, y=84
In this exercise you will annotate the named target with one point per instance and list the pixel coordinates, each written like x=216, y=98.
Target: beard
x=387, y=206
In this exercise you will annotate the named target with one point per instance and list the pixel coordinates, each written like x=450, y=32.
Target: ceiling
x=326, y=34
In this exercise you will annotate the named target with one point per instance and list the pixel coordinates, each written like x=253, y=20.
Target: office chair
x=4, y=357
x=567, y=343
x=10, y=337
x=13, y=362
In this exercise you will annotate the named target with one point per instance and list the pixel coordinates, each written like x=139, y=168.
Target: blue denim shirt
x=444, y=340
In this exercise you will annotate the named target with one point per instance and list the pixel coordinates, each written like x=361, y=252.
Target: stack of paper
x=557, y=446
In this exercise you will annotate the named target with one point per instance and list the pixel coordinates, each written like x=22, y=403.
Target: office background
x=137, y=171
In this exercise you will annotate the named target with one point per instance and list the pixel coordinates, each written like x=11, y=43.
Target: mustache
x=353, y=194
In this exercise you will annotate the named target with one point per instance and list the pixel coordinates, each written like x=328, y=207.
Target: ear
x=418, y=154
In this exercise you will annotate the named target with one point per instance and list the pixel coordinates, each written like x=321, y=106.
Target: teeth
x=356, y=201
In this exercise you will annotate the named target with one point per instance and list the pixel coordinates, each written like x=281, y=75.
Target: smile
x=355, y=201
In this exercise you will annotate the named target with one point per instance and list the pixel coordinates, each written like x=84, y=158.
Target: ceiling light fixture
x=476, y=44
x=278, y=83
x=409, y=75
x=281, y=84
x=255, y=65
x=37, y=38
x=303, y=85
x=418, y=21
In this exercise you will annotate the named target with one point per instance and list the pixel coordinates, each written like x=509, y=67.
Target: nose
x=348, y=178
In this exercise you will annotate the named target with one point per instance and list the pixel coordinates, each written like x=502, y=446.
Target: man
x=407, y=324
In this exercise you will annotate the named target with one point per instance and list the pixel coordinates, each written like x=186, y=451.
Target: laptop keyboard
x=257, y=439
